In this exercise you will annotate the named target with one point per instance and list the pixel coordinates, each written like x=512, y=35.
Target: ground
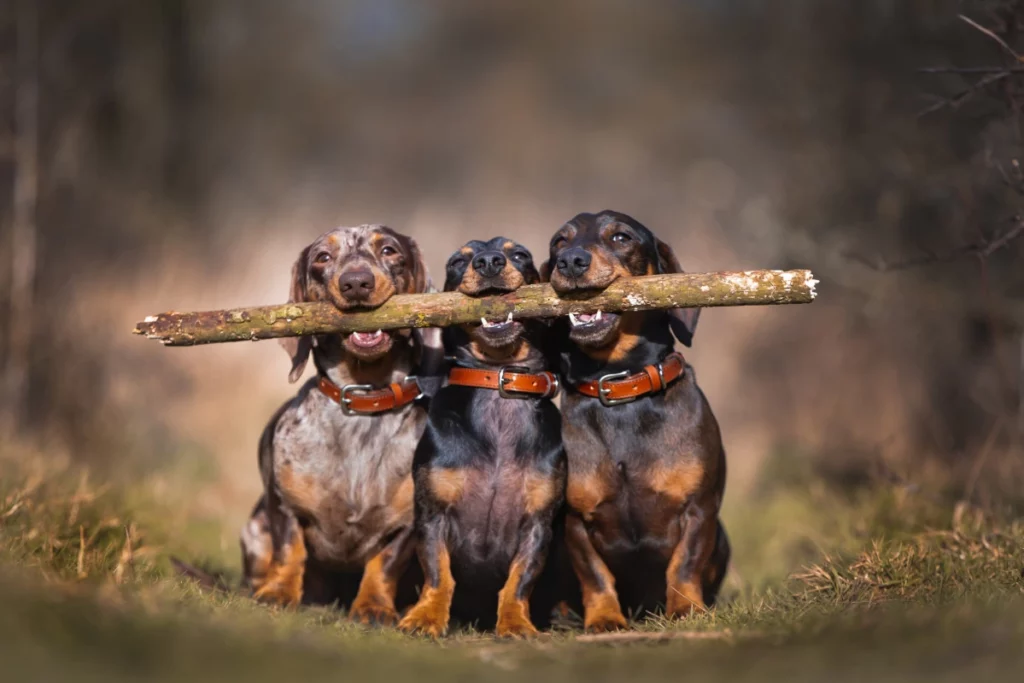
x=881, y=583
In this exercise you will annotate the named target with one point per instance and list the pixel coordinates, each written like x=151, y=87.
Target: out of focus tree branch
x=981, y=249
x=23, y=224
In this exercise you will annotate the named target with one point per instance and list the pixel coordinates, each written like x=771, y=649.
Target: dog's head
x=485, y=268
x=592, y=251
x=355, y=268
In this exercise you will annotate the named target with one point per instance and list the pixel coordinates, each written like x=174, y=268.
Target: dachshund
x=646, y=461
x=490, y=469
x=335, y=521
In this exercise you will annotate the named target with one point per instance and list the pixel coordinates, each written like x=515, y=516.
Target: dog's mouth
x=486, y=288
x=368, y=345
x=498, y=333
x=592, y=329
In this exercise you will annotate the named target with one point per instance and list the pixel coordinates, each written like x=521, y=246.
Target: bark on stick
x=686, y=290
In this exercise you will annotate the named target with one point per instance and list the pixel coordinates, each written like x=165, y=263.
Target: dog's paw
x=372, y=614
x=603, y=614
x=284, y=593
x=606, y=624
x=424, y=621
x=683, y=600
x=516, y=628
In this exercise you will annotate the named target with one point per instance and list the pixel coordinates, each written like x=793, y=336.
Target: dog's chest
x=347, y=477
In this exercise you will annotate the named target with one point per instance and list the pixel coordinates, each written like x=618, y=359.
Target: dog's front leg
x=601, y=609
x=431, y=613
x=375, y=601
x=274, y=555
x=689, y=560
x=514, y=598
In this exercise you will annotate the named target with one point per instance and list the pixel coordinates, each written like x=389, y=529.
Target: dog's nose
x=489, y=263
x=356, y=284
x=573, y=262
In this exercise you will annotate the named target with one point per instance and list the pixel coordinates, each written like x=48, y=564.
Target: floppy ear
x=298, y=348
x=427, y=340
x=420, y=280
x=545, y=271
x=683, y=321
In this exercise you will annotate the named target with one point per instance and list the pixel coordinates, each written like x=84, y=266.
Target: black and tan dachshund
x=490, y=469
x=646, y=462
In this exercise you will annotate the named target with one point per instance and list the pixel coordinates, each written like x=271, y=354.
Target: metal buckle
x=519, y=370
x=557, y=386
x=414, y=378
x=344, y=401
x=602, y=391
x=661, y=376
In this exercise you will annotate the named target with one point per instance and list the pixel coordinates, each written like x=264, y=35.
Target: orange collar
x=363, y=399
x=622, y=387
x=511, y=381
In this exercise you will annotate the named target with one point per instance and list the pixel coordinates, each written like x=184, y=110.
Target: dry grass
x=89, y=593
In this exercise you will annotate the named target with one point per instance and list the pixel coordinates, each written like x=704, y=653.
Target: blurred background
x=177, y=155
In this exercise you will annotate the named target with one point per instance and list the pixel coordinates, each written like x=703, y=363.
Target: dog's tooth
x=509, y=318
x=483, y=321
x=597, y=316
x=573, y=320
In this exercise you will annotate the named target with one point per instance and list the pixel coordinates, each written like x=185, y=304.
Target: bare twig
x=81, y=552
x=974, y=70
x=991, y=34
x=653, y=637
x=982, y=249
x=957, y=100
x=125, y=564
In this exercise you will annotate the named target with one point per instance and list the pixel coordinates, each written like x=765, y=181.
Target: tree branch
x=452, y=308
x=982, y=249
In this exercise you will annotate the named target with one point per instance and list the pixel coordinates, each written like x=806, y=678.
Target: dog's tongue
x=367, y=338
x=585, y=317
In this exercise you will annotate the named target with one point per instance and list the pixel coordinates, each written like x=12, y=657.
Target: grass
x=876, y=584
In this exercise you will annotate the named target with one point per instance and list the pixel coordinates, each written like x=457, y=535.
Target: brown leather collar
x=511, y=381
x=363, y=399
x=622, y=387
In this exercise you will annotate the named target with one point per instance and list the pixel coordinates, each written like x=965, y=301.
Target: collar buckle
x=345, y=401
x=416, y=380
x=505, y=393
x=603, y=391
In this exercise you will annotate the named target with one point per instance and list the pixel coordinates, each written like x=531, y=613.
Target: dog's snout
x=356, y=284
x=489, y=263
x=573, y=262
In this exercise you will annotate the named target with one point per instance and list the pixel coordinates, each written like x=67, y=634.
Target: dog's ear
x=545, y=271
x=420, y=280
x=427, y=340
x=298, y=348
x=683, y=321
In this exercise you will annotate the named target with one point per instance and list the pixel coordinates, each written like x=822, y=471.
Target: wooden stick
x=688, y=290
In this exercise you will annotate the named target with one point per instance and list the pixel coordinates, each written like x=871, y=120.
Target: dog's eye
x=323, y=257
x=559, y=243
x=520, y=256
x=621, y=238
x=457, y=263
x=388, y=251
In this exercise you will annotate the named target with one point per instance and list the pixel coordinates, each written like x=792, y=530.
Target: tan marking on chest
x=586, y=492
x=448, y=485
x=676, y=481
x=301, y=491
x=539, y=490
